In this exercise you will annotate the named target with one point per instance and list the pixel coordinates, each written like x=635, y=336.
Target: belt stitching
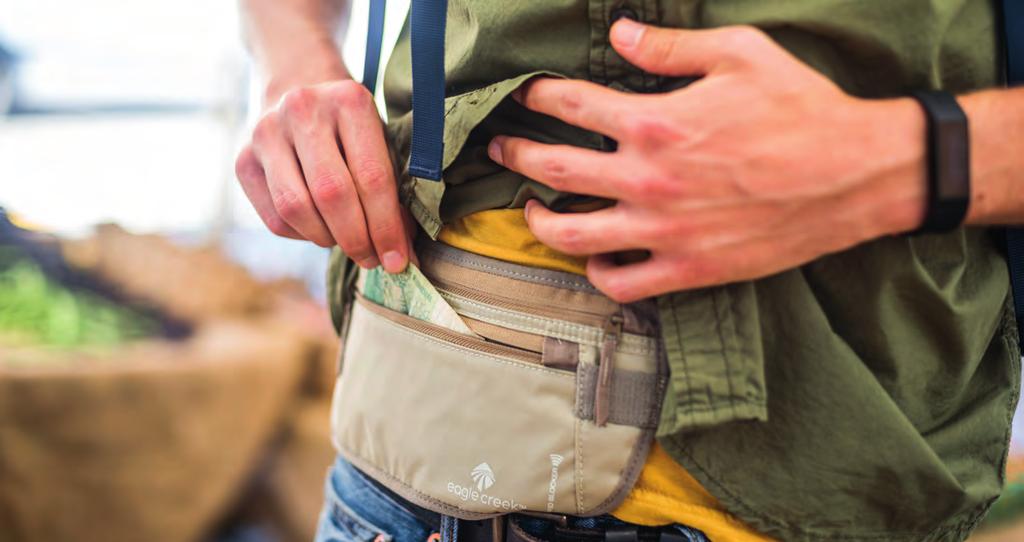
x=506, y=269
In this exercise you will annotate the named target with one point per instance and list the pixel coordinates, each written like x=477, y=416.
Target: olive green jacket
x=864, y=396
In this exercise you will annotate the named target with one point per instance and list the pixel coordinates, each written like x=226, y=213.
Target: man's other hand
x=760, y=165
x=318, y=168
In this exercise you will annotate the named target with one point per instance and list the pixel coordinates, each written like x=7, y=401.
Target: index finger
x=580, y=103
x=366, y=153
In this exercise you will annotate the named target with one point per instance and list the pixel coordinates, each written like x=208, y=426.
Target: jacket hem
x=956, y=529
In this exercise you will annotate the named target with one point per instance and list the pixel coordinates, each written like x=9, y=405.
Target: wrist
x=317, y=61
x=991, y=127
x=894, y=152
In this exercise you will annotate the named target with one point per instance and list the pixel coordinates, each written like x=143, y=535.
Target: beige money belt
x=474, y=387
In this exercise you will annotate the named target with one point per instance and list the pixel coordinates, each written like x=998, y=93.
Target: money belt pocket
x=550, y=407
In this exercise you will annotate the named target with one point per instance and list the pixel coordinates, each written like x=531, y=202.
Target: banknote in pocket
x=411, y=293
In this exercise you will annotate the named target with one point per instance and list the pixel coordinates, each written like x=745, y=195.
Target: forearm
x=294, y=42
x=997, y=158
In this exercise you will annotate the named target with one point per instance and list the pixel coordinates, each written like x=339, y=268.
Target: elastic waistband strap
x=560, y=279
x=542, y=288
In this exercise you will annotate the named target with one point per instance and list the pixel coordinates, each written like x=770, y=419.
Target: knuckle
x=650, y=129
x=323, y=241
x=277, y=226
x=327, y=186
x=570, y=103
x=388, y=231
x=374, y=176
x=299, y=103
x=267, y=128
x=695, y=271
x=636, y=129
x=653, y=187
x=570, y=238
x=348, y=95
x=680, y=231
x=679, y=236
x=358, y=248
x=290, y=206
x=245, y=164
x=554, y=170
x=633, y=130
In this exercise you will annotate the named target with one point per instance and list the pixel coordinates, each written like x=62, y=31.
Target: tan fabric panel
x=471, y=434
x=504, y=335
x=606, y=469
x=526, y=320
x=446, y=266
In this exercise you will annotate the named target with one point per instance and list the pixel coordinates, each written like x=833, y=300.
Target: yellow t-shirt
x=664, y=493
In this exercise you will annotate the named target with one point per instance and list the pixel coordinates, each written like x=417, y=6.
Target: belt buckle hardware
x=561, y=520
x=621, y=534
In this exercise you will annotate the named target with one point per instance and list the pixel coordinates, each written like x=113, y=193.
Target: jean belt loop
x=449, y=529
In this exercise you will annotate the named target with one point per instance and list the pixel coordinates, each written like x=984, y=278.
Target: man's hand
x=317, y=166
x=318, y=169
x=759, y=166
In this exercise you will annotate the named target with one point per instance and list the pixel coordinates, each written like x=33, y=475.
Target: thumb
x=675, y=52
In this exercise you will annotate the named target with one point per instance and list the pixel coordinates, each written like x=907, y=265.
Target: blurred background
x=165, y=364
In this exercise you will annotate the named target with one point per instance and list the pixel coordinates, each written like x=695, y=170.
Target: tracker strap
x=949, y=163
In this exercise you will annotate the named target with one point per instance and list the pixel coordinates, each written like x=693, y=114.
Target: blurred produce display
x=37, y=310
x=1010, y=505
x=150, y=391
x=194, y=284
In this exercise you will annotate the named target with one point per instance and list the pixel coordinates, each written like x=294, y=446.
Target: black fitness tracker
x=948, y=162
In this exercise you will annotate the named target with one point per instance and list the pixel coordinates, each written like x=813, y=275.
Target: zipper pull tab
x=602, y=396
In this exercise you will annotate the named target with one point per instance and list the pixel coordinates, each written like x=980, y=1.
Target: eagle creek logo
x=483, y=476
x=556, y=460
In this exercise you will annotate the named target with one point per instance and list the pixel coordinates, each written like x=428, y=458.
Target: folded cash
x=410, y=292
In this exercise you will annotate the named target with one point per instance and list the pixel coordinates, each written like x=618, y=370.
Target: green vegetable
x=37, y=311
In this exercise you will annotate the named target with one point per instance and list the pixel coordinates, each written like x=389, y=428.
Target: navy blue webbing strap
x=1013, y=23
x=374, y=43
x=428, y=24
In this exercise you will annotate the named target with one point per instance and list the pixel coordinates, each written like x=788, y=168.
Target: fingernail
x=393, y=262
x=526, y=210
x=368, y=263
x=517, y=94
x=626, y=33
x=494, y=150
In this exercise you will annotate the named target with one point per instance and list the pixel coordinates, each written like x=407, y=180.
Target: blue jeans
x=357, y=510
